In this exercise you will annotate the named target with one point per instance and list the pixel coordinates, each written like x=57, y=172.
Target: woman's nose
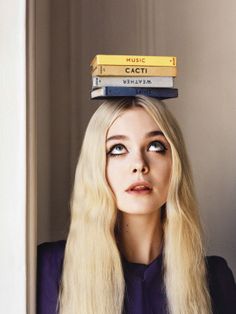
x=140, y=165
x=143, y=169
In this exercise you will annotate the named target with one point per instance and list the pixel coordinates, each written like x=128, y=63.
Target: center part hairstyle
x=92, y=279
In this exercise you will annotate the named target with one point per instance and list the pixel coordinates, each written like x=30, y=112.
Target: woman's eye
x=116, y=150
x=157, y=147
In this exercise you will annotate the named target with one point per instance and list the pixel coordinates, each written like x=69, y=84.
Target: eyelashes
x=159, y=147
x=120, y=147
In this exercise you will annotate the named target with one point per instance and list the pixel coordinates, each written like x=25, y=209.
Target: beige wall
x=43, y=88
x=13, y=170
x=201, y=35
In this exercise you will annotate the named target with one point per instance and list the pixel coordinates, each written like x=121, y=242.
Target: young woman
x=135, y=243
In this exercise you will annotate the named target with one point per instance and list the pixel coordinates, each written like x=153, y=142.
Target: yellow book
x=133, y=60
x=122, y=70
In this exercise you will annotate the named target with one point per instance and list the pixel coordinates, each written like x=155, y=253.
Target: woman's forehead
x=132, y=121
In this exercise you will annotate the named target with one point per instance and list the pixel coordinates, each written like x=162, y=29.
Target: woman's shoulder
x=218, y=269
x=50, y=257
x=49, y=267
x=222, y=284
x=52, y=249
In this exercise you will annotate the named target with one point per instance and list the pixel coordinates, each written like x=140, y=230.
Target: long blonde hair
x=92, y=278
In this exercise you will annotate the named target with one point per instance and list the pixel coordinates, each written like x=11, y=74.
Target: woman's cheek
x=115, y=174
x=112, y=171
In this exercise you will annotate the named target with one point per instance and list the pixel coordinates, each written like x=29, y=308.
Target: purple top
x=145, y=293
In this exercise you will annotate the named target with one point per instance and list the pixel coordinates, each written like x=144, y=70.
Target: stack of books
x=125, y=75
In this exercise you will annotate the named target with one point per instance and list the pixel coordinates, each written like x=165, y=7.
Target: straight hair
x=92, y=278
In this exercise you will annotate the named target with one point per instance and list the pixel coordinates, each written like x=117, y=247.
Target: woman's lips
x=140, y=187
x=139, y=192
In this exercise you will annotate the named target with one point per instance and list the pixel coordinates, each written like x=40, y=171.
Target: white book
x=143, y=81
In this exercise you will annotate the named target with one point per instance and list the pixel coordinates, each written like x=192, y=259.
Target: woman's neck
x=140, y=236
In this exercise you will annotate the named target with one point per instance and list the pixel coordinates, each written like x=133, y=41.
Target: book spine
x=109, y=91
x=134, y=60
x=116, y=70
x=133, y=81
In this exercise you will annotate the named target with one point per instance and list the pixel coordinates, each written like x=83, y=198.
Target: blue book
x=111, y=91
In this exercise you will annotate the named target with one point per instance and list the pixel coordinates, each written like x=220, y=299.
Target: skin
x=138, y=158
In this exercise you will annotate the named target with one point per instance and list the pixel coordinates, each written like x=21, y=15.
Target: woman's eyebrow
x=117, y=137
x=124, y=137
x=154, y=133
